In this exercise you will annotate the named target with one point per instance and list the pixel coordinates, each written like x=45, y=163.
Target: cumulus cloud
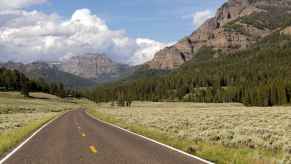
x=147, y=49
x=17, y=4
x=200, y=17
x=32, y=35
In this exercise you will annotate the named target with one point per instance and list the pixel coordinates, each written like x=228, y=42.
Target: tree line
x=13, y=80
x=258, y=76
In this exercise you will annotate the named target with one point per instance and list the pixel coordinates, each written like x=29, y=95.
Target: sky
x=127, y=31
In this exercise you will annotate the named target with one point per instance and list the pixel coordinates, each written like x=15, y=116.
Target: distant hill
x=49, y=73
x=13, y=80
x=76, y=72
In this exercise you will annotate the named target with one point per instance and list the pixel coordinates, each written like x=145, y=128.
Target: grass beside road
x=222, y=133
x=9, y=139
x=159, y=121
x=21, y=116
x=14, y=102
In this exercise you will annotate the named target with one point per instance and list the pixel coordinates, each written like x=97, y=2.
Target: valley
x=77, y=91
x=221, y=133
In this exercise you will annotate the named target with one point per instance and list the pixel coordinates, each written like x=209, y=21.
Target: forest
x=12, y=80
x=257, y=76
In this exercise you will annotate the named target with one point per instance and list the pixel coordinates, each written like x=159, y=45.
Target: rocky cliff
x=93, y=66
x=237, y=25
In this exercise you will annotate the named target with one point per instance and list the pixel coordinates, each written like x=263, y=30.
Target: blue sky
x=127, y=31
x=162, y=20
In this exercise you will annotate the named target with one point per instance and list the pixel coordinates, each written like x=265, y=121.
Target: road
x=77, y=138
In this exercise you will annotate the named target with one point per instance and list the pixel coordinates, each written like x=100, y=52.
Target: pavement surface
x=77, y=138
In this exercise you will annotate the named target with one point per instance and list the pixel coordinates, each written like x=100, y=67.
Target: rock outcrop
x=93, y=66
x=236, y=26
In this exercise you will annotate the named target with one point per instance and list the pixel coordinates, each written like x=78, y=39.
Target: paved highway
x=77, y=138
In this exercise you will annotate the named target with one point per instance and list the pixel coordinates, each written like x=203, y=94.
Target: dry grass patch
x=20, y=116
x=9, y=122
x=242, y=134
x=14, y=102
x=11, y=136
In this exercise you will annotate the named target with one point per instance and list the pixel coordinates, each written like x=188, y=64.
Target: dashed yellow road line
x=93, y=149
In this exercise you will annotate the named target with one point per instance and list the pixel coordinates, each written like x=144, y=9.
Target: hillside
x=13, y=80
x=237, y=25
x=255, y=74
x=48, y=73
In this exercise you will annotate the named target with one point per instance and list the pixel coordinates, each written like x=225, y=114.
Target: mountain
x=78, y=71
x=49, y=73
x=95, y=67
x=241, y=55
x=257, y=76
x=237, y=25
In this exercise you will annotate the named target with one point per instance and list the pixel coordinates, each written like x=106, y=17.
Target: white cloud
x=147, y=49
x=200, y=17
x=32, y=35
x=18, y=4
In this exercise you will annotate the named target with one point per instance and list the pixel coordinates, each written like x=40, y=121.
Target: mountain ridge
x=94, y=66
x=48, y=73
x=237, y=25
x=78, y=71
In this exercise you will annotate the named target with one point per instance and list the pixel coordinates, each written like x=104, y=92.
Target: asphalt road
x=76, y=138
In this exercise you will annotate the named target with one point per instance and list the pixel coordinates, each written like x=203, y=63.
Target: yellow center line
x=93, y=149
